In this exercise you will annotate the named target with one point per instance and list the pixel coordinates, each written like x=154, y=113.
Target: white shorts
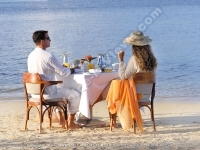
x=73, y=96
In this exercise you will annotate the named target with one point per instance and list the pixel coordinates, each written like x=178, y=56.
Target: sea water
x=90, y=27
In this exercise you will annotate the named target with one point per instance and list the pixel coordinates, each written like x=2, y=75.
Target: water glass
x=84, y=66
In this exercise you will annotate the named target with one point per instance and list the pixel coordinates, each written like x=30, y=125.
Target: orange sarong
x=122, y=99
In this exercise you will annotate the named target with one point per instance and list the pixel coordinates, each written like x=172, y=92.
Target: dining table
x=90, y=85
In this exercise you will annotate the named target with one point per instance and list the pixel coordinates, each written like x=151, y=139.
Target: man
x=42, y=62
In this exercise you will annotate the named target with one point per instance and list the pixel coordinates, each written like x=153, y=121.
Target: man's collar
x=39, y=48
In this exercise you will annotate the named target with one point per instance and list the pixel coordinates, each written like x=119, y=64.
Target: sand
x=177, y=125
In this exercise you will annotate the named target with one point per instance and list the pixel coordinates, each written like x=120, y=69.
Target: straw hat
x=137, y=38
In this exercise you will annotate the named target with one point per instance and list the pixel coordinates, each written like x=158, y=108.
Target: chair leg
x=25, y=128
x=152, y=119
x=41, y=120
x=134, y=126
x=27, y=117
x=66, y=117
x=111, y=121
x=50, y=116
x=66, y=122
x=40, y=128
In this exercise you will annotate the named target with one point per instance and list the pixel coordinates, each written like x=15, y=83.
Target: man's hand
x=72, y=70
x=121, y=55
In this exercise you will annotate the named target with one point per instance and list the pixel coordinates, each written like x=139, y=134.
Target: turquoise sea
x=91, y=27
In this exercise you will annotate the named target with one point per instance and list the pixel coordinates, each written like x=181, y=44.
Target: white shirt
x=46, y=64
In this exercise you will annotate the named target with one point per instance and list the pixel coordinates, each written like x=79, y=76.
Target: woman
x=143, y=59
x=118, y=97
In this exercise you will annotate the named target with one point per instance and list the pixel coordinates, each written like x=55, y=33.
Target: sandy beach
x=177, y=125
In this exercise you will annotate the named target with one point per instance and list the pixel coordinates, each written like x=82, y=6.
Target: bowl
x=115, y=66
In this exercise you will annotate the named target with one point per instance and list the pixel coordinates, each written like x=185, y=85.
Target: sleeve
x=125, y=72
x=55, y=66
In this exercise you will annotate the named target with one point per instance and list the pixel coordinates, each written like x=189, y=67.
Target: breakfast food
x=67, y=65
x=108, y=70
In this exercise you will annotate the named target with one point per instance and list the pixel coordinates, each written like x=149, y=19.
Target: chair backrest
x=145, y=78
x=32, y=83
x=145, y=84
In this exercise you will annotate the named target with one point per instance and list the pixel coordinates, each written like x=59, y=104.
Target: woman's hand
x=121, y=55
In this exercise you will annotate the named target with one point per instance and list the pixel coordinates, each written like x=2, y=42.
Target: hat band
x=140, y=39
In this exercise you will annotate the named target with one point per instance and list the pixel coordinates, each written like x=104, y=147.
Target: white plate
x=86, y=73
x=94, y=70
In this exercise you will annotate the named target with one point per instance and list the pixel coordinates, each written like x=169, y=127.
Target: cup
x=67, y=65
x=115, y=66
x=90, y=66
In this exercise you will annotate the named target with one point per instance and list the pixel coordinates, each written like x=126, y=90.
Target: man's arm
x=55, y=66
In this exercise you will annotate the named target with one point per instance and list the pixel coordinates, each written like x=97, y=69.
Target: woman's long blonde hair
x=144, y=57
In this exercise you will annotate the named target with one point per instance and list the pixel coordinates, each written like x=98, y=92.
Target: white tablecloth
x=90, y=86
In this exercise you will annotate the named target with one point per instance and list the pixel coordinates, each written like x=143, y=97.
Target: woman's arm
x=125, y=72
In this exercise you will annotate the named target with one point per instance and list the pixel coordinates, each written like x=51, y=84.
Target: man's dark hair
x=38, y=36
